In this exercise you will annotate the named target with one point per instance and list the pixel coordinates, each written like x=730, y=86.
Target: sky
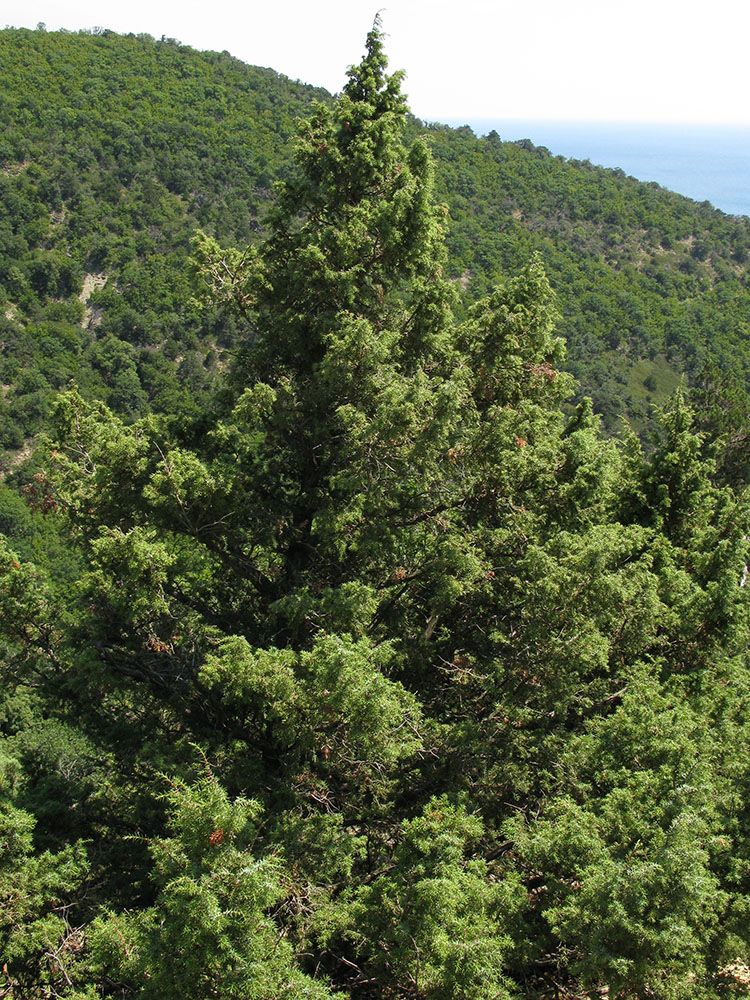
x=596, y=60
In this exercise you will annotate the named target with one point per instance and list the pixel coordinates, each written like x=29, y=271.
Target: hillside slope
x=649, y=283
x=115, y=149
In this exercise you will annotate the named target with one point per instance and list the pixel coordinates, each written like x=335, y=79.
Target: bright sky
x=640, y=60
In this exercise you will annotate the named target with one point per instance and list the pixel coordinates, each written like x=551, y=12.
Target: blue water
x=705, y=162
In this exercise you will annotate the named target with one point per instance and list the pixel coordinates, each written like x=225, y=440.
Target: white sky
x=614, y=60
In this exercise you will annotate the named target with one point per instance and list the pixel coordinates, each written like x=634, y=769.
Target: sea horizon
x=701, y=161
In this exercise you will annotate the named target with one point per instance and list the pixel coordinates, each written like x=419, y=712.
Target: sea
x=705, y=162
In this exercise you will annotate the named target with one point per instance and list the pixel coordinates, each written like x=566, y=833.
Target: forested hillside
x=650, y=284
x=115, y=150
x=387, y=674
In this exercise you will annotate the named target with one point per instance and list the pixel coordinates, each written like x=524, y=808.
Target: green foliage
x=620, y=255
x=40, y=943
x=629, y=896
x=468, y=680
x=432, y=925
x=208, y=931
x=115, y=149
